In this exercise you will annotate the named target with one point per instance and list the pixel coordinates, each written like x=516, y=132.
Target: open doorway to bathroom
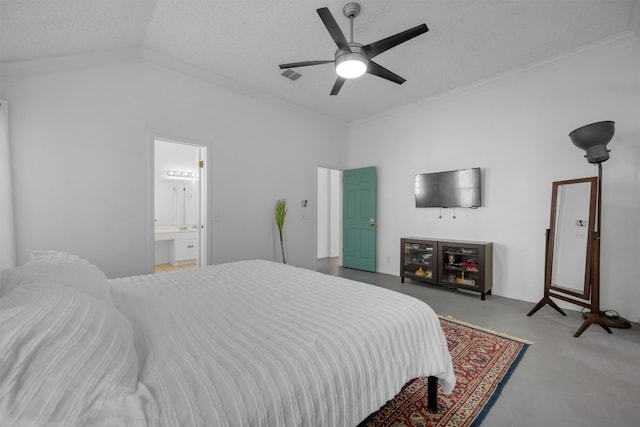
x=329, y=219
x=179, y=205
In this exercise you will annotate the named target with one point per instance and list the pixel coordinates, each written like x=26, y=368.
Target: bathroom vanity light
x=182, y=174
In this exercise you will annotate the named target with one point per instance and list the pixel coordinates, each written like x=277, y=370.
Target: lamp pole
x=593, y=139
x=595, y=316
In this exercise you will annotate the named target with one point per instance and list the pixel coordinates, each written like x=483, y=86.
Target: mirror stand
x=570, y=200
x=594, y=315
x=546, y=299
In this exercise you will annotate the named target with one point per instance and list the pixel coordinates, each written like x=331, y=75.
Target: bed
x=251, y=343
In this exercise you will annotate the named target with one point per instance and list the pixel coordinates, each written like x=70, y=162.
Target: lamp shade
x=593, y=139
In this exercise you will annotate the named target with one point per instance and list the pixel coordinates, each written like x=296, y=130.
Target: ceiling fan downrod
x=351, y=10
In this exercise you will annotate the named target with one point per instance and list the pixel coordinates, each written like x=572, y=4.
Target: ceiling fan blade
x=376, y=48
x=337, y=85
x=334, y=30
x=304, y=64
x=378, y=70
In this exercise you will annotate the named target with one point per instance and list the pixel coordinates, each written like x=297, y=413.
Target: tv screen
x=450, y=189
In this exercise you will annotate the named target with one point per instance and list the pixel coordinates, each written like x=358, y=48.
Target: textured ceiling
x=245, y=40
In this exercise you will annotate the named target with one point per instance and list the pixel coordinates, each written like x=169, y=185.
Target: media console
x=451, y=263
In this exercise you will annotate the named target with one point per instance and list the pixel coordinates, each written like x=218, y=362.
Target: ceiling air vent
x=291, y=75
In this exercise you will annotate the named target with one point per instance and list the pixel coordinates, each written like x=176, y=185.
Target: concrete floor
x=592, y=380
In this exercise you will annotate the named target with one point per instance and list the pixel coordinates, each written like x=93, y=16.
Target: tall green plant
x=280, y=215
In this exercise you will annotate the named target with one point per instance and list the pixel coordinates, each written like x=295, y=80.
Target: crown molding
x=52, y=64
x=619, y=41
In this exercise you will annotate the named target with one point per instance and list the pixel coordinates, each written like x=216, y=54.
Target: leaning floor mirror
x=572, y=228
x=572, y=247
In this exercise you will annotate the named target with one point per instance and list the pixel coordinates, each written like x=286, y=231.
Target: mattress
x=259, y=343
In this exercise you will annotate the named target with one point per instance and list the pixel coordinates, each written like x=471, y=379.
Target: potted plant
x=280, y=215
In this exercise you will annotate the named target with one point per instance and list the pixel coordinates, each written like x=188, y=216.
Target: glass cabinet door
x=460, y=266
x=419, y=260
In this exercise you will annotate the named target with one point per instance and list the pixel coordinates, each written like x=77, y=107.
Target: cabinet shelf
x=453, y=264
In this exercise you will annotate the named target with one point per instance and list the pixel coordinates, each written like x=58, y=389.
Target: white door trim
x=202, y=210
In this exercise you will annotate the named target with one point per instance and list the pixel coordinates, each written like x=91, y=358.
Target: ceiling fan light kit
x=352, y=59
x=351, y=65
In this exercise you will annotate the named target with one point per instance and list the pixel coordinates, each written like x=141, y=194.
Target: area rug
x=483, y=361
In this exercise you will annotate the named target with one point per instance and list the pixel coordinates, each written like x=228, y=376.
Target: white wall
x=81, y=133
x=7, y=235
x=515, y=127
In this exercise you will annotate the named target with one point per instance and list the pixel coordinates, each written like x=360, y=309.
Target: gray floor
x=592, y=380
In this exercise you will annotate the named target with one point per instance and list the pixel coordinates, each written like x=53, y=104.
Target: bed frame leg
x=432, y=393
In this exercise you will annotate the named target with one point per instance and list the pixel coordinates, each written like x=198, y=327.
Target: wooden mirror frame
x=590, y=296
x=551, y=254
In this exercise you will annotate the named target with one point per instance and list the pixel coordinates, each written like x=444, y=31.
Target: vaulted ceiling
x=243, y=41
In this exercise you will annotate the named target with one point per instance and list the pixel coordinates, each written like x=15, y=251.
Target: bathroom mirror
x=573, y=215
x=175, y=202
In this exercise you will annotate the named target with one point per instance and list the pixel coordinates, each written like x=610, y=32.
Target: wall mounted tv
x=450, y=189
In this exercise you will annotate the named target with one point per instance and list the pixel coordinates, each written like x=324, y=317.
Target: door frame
x=339, y=220
x=203, y=203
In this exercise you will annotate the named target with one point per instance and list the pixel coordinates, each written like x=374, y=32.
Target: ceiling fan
x=353, y=59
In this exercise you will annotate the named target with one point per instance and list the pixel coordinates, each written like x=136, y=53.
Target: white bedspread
x=258, y=343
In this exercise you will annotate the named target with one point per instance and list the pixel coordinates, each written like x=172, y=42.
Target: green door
x=359, y=219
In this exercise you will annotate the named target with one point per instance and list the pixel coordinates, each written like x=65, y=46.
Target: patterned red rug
x=482, y=361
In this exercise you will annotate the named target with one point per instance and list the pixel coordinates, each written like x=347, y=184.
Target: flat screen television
x=449, y=189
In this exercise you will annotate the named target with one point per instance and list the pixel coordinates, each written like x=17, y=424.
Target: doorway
x=329, y=219
x=179, y=205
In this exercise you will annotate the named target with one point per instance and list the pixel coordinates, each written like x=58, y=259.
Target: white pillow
x=67, y=359
x=61, y=268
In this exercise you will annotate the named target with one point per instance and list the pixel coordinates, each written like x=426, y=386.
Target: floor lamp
x=593, y=139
